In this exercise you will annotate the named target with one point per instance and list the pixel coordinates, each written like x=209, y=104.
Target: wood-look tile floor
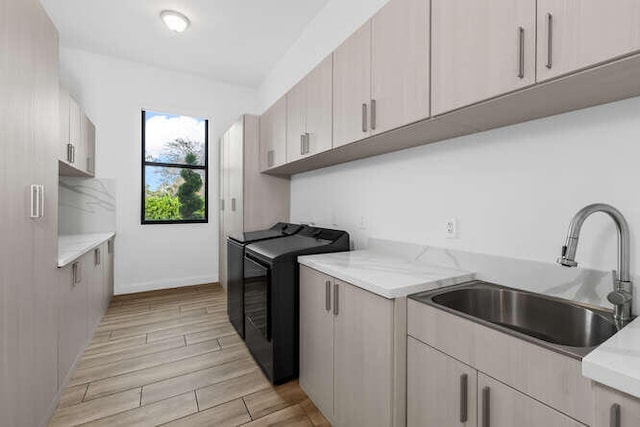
x=172, y=358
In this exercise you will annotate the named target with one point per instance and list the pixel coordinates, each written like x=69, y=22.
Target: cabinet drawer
x=549, y=377
x=615, y=409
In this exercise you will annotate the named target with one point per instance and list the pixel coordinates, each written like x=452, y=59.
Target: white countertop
x=73, y=246
x=384, y=274
x=616, y=363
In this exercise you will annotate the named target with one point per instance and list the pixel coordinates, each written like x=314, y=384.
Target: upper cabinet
x=352, y=88
x=573, y=34
x=309, y=113
x=77, y=138
x=273, y=135
x=481, y=49
x=399, y=64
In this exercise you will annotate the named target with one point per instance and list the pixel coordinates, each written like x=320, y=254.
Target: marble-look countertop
x=616, y=362
x=73, y=246
x=385, y=274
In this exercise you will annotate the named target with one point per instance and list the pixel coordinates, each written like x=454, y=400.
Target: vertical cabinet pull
x=110, y=247
x=96, y=255
x=34, y=199
x=486, y=407
x=70, y=153
x=464, y=380
x=614, y=419
x=233, y=204
x=302, y=144
x=76, y=273
x=549, y=40
x=222, y=204
x=307, y=145
x=327, y=295
x=373, y=114
x=41, y=202
x=364, y=117
x=520, y=52
x=270, y=157
x=336, y=299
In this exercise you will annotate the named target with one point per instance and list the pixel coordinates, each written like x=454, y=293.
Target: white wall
x=326, y=31
x=113, y=92
x=513, y=190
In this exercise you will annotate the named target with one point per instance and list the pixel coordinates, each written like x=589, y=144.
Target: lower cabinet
x=86, y=287
x=348, y=352
x=615, y=409
x=440, y=390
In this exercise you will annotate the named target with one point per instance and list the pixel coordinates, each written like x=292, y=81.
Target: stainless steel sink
x=560, y=325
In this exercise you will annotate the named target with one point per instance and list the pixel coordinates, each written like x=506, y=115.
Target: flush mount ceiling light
x=175, y=21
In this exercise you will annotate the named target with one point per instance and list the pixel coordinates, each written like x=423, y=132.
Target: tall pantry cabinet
x=249, y=200
x=28, y=214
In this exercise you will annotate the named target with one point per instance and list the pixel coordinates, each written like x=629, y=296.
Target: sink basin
x=558, y=324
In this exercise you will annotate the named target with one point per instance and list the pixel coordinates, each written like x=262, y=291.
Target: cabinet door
x=319, y=107
x=73, y=317
x=363, y=349
x=236, y=179
x=502, y=406
x=296, y=121
x=574, y=34
x=273, y=135
x=63, y=114
x=480, y=49
x=88, y=162
x=352, y=87
x=400, y=64
x=615, y=409
x=316, y=338
x=440, y=390
x=95, y=283
x=224, y=207
x=75, y=133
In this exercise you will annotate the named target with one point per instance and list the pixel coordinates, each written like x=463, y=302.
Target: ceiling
x=234, y=41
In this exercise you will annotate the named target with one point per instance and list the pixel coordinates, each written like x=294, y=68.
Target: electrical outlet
x=451, y=228
x=363, y=223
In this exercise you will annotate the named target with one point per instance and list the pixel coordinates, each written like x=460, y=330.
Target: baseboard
x=133, y=288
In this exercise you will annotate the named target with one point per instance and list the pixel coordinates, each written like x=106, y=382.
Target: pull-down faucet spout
x=621, y=295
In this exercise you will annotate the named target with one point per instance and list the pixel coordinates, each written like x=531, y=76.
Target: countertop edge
x=611, y=378
x=64, y=261
x=386, y=293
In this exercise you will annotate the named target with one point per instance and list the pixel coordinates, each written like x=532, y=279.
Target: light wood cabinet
x=574, y=34
x=77, y=138
x=615, y=409
x=273, y=135
x=441, y=391
x=400, y=64
x=351, y=358
x=502, y=406
x=249, y=200
x=29, y=303
x=480, y=50
x=309, y=113
x=316, y=338
x=352, y=88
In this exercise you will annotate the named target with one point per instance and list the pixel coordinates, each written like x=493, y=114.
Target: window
x=174, y=168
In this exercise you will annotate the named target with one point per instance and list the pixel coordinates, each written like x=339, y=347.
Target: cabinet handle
x=307, y=146
x=549, y=40
x=521, y=52
x=73, y=153
x=96, y=256
x=233, y=204
x=270, y=156
x=327, y=299
x=76, y=272
x=336, y=299
x=110, y=247
x=373, y=114
x=41, y=204
x=464, y=379
x=486, y=407
x=614, y=419
x=34, y=201
x=364, y=117
x=222, y=204
x=301, y=144
x=70, y=153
